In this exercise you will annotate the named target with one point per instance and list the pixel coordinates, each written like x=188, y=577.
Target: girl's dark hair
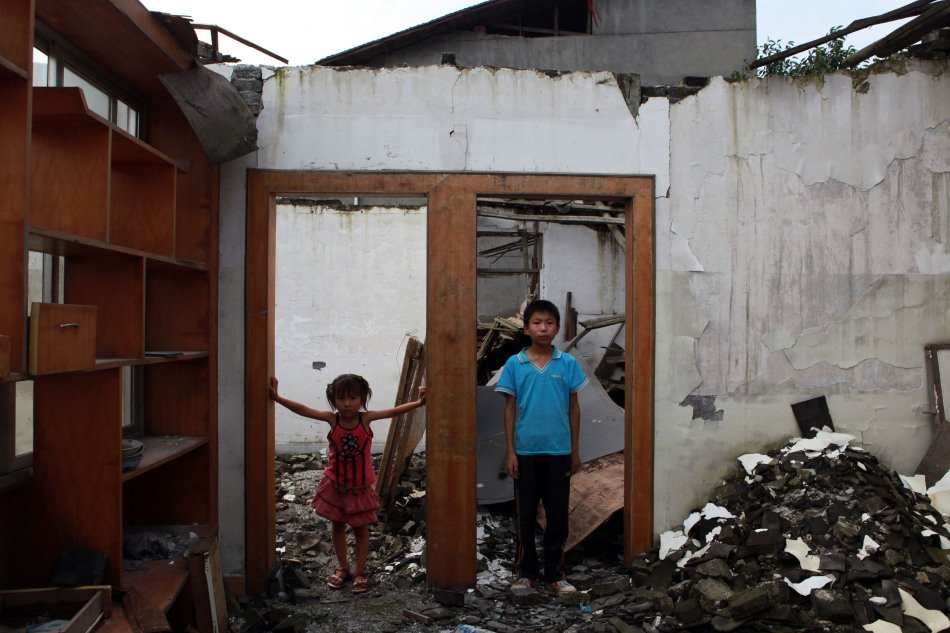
x=348, y=384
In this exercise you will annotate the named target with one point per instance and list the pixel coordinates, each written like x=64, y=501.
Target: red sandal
x=360, y=583
x=337, y=578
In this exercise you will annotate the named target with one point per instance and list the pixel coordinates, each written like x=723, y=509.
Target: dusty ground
x=301, y=601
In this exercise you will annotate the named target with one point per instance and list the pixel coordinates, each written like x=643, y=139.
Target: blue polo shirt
x=543, y=397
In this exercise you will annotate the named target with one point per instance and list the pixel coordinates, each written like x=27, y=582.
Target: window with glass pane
x=41, y=68
x=96, y=99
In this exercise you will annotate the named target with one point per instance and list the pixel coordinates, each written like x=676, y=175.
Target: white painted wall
x=802, y=231
x=351, y=289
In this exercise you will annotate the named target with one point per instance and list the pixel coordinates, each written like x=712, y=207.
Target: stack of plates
x=132, y=451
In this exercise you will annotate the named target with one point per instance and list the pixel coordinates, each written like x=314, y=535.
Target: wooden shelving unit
x=136, y=226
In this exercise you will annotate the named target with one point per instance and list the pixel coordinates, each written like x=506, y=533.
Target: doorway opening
x=450, y=314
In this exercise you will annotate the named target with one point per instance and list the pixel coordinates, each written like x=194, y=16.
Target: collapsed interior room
x=719, y=256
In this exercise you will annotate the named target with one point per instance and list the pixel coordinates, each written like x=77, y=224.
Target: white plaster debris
x=939, y=495
x=882, y=626
x=933, y=619
x=690, y=521
x=805, y=587
x=712, y=511
x=917, y=483
x=822, y=440
x=751, y=460
x=800, y=550
x=670, y=542
x=878, y=600
x=713, y=533
x=682, y=562
x=868, y=547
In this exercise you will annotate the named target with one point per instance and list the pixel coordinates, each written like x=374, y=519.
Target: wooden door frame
x=450, y=286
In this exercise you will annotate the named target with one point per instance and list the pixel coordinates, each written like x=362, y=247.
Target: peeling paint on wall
x=892, y=322
x=704, y=408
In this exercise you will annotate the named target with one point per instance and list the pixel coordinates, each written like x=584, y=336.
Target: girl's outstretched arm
x=296, y=407
x=369, y=416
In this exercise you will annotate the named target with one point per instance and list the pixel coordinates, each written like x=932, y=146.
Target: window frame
x=61, y=54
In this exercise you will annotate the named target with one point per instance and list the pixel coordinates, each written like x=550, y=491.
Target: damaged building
x=761, y=243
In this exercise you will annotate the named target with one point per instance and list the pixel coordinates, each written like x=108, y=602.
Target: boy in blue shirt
x=540, y=384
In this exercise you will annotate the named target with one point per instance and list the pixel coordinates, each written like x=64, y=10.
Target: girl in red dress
x=346, y=495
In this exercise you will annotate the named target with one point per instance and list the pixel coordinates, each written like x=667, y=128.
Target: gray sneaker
x=522, y=583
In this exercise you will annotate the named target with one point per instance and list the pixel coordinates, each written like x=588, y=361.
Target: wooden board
x=16, y=34
x=76, y=491
x=14, y=165
x=160, y=583
x=82, y=607
x=120, y=318
x=74, y=156
x=4, y=356
x=62, y=338
x=406, y=431
x=596, y=493
x=177, y=309
x=936, y=461
x=208, y=586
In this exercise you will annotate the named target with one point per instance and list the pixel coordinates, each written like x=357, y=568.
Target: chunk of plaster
x=933, y=619
x=799, y=550
x=808, y=585
x=750, y=461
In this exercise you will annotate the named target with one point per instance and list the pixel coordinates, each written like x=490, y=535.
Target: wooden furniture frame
x=451, y=414
x=135, y=226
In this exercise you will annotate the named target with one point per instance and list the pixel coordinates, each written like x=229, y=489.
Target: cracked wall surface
x=817, y=215
x=802, y=240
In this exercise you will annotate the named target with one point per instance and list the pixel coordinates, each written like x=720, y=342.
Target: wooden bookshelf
x=161, y=450
x=136, y=225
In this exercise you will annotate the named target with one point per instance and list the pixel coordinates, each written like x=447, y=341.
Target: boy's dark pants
x=544, y=478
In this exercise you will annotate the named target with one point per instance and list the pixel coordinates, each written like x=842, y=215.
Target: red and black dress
x=346, y=492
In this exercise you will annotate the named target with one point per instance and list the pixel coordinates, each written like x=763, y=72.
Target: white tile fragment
x=878, y=600
x=868, y=547
x=690, y=521
x=682, y=562
x=805, y=587
x=821, y=441
x=932, y=619
x=670, y=542
x=799, y=549
x=940, y=494
x=917, y=483
x=751, y=460
x=712, y=511
x=713, y=533
x=882, y=626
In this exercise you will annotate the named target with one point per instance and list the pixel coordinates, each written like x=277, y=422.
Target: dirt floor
x=399, y=599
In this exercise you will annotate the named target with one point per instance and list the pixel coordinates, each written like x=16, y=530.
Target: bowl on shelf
x=132, y=451
x=131, y=448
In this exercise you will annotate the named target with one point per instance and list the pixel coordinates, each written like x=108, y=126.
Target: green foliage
x=826, y=58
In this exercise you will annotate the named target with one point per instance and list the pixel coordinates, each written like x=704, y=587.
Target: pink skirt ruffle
x=356, y=510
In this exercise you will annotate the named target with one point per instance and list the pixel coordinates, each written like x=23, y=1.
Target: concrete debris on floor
x=815, y=536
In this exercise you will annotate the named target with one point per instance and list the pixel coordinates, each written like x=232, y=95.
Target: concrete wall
x=801, y=234
x=351, y=288
x=662, y=41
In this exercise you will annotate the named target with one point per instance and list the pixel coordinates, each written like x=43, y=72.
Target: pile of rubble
x=813, y=536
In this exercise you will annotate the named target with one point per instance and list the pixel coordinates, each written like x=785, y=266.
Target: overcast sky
x=304, y=31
